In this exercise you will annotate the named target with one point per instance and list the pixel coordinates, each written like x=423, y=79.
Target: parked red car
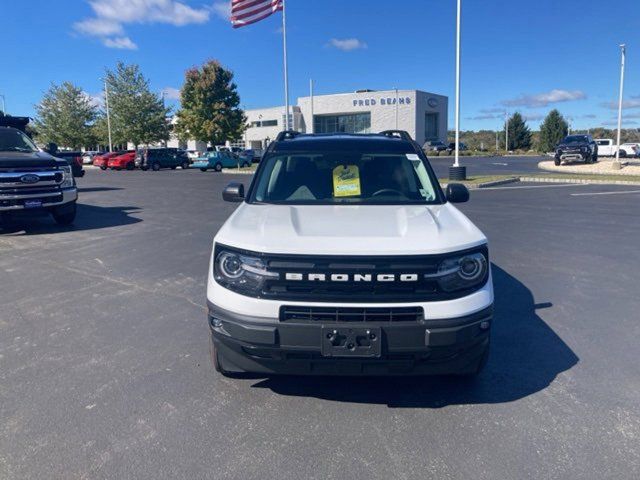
x=103, y=160
x=126, y=160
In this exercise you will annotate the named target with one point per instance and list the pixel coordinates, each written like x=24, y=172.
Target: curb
x=578, y=180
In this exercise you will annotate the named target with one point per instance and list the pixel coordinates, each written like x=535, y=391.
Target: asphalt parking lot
x=499, y=165
x=104, y=367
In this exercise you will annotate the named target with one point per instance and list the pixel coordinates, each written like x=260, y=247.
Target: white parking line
x=498, y=163
x=532, y=186
x=606, y=193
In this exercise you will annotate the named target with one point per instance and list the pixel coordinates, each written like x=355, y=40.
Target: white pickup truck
x=607, y=148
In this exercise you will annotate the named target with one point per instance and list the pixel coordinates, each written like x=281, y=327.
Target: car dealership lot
x=104, y=368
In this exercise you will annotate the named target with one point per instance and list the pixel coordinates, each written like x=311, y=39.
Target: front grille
x=349, y=314
x=424, y=289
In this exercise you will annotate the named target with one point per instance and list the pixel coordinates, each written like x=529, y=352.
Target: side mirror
x=51, y=148
x=234, y=192
x=457, y=193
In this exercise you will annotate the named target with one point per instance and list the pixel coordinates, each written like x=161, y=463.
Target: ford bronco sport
x=345, y=257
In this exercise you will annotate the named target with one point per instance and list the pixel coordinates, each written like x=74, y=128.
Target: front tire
x=103, y=167
x=218, y=167
x=557, y=162
x=185, y=165
x=623, y=153
x=67, y=217
x=203, y=169
x=155, y=166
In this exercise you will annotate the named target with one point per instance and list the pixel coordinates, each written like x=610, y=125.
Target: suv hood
x=28, y=160
x=350, y=229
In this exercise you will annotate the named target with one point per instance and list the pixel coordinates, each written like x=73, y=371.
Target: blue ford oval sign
x=29, y=178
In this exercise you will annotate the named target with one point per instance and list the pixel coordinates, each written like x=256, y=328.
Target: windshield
x=12, y=140
x=575, y=139
x=345, y=178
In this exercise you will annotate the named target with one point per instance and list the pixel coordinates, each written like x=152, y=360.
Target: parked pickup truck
x=577, y=147
x=32, y=181
x=607, y=148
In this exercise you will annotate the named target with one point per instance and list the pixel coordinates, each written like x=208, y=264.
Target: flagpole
x=286, y=68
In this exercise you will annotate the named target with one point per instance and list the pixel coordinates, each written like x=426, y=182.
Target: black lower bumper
x=433, y=347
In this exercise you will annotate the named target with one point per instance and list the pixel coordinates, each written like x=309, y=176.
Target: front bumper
x=429, y=347
x=575, y=155
x=15, y=203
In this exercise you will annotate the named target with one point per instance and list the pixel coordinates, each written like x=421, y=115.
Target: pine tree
x=553, y=129
x=210, y=102
x=519, y=133
x=137, y=114
x=65, y=116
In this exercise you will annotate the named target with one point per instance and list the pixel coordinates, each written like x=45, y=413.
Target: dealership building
x=422, y=114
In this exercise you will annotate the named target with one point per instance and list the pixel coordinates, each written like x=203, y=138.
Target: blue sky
x=521, y=55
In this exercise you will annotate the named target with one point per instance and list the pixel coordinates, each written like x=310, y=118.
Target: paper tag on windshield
x=413, y=156
x=346, y=181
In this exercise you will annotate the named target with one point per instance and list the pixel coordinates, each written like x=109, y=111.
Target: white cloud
x=122, y=43
x=633, y=102
x=112, y=15
x=171, y=93
x=545, y=98
x=96, y=99
x=99, y=27
x=222, y=9
x=347, y=44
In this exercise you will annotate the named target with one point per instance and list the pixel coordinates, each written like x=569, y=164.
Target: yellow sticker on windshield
x=346, y=181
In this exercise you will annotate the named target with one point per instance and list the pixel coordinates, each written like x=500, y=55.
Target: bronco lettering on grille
x=358, y=277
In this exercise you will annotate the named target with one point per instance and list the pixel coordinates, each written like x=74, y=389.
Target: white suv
x=345, y=257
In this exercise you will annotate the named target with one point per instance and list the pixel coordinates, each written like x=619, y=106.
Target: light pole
x=456, y=172
x=616, y=164
x=506, y=132
x=396, y=108
x=4, y=105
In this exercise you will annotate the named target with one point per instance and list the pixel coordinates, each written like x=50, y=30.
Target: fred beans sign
x=370, y=102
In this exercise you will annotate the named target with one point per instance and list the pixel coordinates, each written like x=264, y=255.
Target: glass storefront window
x=356, y=123
x=431, y=126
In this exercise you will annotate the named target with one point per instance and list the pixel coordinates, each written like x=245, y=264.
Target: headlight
x=461, y=273
x=241, y=273
x=67, y=177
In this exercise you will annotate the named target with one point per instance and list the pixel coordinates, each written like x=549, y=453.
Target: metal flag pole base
x=457, y=173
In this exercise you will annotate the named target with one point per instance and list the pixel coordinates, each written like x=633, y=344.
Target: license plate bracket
x=350, y=341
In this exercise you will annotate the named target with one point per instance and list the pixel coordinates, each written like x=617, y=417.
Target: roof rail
x=286, y=135
x=403, y=134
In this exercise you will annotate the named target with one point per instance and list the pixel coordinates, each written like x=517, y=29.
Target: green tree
x=553, y=129
x=137, y=114
x=210, y=102
x=519, y=133
x=65, y=116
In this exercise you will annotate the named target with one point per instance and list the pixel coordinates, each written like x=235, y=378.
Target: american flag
x=246, y=12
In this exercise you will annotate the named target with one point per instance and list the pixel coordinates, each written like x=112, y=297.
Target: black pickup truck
x=33, y=182
x=576, y=147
